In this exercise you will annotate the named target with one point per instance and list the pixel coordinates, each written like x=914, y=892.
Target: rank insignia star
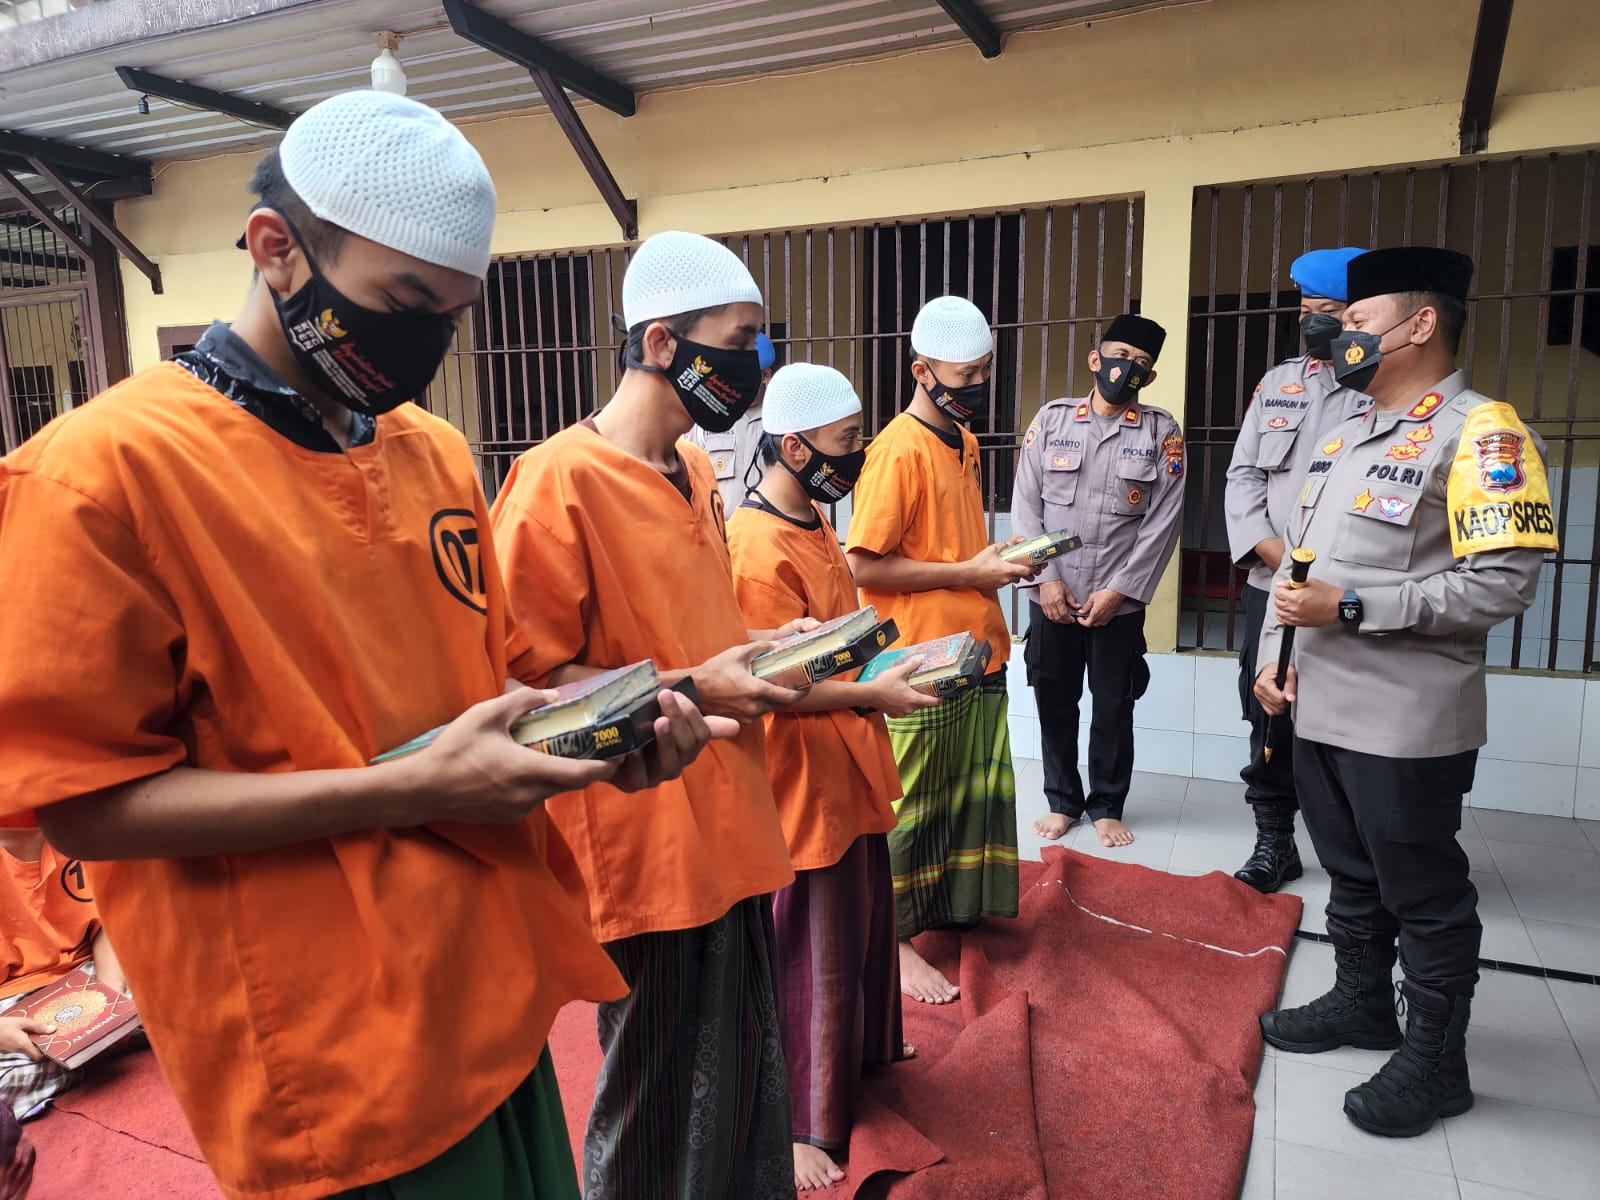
x=1362, y=501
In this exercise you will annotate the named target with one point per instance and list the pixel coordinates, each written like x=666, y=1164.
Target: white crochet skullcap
x=805, y=396
x=950, y=329
x=395, y=172
x=675, y=273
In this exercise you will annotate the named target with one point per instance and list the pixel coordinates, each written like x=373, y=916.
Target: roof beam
x=147, y=83
x=45, y=217
x=973, y=22
x=82, y=164
x=1483, y=74
x=625, y=211
x=101, y=223
x=100, y=191
x=532, y=54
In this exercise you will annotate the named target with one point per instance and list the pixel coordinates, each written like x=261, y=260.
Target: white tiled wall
x=1543, y=754
x=1576, y=591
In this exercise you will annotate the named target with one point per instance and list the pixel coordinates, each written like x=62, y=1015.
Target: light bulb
x=387, y=73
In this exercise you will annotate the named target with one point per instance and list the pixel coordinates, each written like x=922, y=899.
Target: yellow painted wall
x=1153, y=104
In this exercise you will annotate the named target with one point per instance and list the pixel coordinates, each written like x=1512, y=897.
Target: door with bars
x=541, y=350
x=1532, y=338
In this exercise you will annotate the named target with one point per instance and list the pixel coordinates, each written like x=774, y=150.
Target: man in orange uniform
x=49, y=928
x=918, y=549
x=230, y=582
x=832, y=770
x=613, y=544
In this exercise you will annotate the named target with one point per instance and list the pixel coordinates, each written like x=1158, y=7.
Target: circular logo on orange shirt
x=453, y=534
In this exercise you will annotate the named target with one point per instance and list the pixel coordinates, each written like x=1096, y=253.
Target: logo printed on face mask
x=1354, y=355
x=1116, y=374
x=328, y=325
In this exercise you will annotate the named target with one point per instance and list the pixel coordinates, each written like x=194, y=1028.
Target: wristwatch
x=1350, y=610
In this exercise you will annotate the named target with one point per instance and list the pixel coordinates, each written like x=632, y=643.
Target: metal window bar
x=1533, y=316
x=540, y=352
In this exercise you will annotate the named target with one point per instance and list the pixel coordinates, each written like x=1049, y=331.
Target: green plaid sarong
x=954, y=850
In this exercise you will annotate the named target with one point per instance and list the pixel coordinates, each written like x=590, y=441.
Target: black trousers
x=1112, y=656
x=1385, y=829
x=1264, y=782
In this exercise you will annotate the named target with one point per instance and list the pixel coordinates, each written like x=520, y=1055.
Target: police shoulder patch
x=1033, y=432
x=1498, y=494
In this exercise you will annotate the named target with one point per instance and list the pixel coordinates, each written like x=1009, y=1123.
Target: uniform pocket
x=1135, y=481
x=1433, y=819
x=1380, y=529
x=1060, y=484
x=1274, y=450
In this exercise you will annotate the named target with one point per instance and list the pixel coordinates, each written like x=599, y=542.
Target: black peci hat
x=1409, y=269
x=1139, y=332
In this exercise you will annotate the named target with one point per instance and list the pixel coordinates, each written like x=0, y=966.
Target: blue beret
x=1321, y=273
x=767, y=351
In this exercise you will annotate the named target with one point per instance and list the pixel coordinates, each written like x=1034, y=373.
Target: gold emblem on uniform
x=1362, y=501
x=1135, y=495
x=721, y=464
x=1334, y=446
x=1354, y=355
x=1500, y=461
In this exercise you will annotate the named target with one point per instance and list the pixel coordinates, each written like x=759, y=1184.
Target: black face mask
x=1118, y=380
x=367, y=360
x=715, y=386
x=961, y=403
x=1357, y=355
x=826, y=478
x=1318, y=331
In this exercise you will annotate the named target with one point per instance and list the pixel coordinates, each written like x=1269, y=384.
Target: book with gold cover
x=949, y=664
x=600, y=716
x=835, y=646
x=89, y=1017
x=1042, y=548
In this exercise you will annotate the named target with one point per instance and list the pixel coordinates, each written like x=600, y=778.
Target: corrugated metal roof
x=295, y=57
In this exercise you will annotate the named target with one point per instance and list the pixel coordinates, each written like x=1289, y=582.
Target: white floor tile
x=1310, y=1112
x=1521, y=1003
x=1589, y=745
x=1586, y=804
x=1216, y=791
x=1159, y=787
x=1566, y=947
x=1558, y=900
x=1530, y=1070
x=1308, y=1173
x=1575, y=863
x=1259, y=1171
x=1266, y=1087
x=1536, y=1150
x=1506, y=939
x=1492, y=894
x=1198, y=854
x=1141, y=812
x=1580, y=1009
x=1487, y=1191
x=1527, y=829
x=1218, y=820
x=1478, y=855
x=1525, y=787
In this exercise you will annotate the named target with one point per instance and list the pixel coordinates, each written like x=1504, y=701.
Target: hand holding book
x=728, y=689
x=891, y=693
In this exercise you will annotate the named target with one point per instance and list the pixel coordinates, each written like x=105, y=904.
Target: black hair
x=767, y=450
x=1452, y=312
x=323, y=239
x=680, y=325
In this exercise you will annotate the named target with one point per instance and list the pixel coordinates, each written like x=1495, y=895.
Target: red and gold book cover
x=89, y=1018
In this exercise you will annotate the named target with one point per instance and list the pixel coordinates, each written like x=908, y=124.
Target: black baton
x=1299, y=569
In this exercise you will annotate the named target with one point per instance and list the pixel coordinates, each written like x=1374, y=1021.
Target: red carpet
x=1086, y=1059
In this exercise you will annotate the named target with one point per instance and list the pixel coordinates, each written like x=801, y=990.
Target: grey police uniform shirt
x=1294, y=405
x=731, y=454
x=1438, y=516
x=1121, y=492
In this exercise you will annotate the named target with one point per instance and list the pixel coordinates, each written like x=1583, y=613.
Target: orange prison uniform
x=48, y=920
x=833, y=772
x=185, y=586
x=606, y=564
x=917, y=498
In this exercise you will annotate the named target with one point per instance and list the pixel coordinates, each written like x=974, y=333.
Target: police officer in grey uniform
x=1294, y=405
x=1429, y=517
x=1111, y=471
x=736, y=455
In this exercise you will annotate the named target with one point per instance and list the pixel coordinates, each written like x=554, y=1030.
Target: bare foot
x=920, y=981
x=814, y=1171
x=1112, y=833
x=1053, y=826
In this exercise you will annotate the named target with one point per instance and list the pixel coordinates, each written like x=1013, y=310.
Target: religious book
x=601, y=716
x=90, y=1018
x=949, y=664
x=1042, y=548
x=842, y=644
